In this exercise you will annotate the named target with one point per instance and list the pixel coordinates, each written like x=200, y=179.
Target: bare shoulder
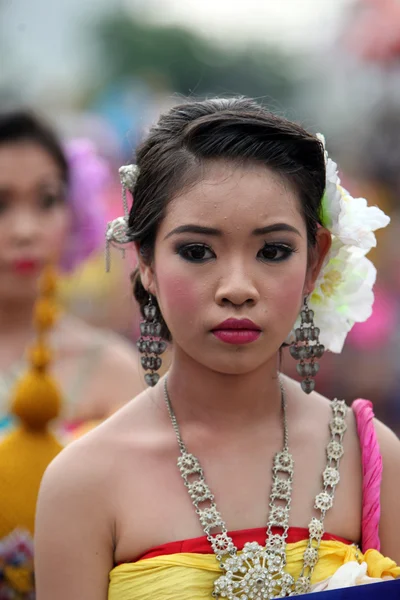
x=75, y=520
x=78, y=336
x=87, y=467
x=390, y=491
x=389, y=443
x=91, y=460
x=117, y=377
x=314, y=414
x=315, y=404
x=83, y=465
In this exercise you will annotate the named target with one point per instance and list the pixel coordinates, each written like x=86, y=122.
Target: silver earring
x=307, y=348
x=150, y=344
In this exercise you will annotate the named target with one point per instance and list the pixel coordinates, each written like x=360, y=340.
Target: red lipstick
x=26, y=266
x=237, y=331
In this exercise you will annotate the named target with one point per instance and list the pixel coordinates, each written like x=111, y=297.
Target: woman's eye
x=4, y=201
x=3, y=206
x=50, y=199
x=196, y=252
x=275, y=252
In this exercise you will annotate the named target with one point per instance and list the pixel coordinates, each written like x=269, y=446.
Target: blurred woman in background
x=50, y=213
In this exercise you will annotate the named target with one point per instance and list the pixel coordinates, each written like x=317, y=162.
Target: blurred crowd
x=349, y=91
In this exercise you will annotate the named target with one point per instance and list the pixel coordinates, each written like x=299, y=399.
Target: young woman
x=47, y=195
x=235, y=246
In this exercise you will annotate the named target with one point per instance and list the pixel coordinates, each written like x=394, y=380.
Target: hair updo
x=235, y=129
x=24, y=126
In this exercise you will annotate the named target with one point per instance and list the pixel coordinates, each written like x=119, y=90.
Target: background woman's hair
x=237, y=130
x=24, y=126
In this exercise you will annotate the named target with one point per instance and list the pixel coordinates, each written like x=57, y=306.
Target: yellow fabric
x=24, y=456
x=20, y=578
x=191, y=576
x=28, y=449
x=36, y=398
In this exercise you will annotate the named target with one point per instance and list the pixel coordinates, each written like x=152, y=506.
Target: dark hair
x=21, y=126
x=236, y=129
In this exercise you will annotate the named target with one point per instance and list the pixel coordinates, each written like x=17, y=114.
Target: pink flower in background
x=375, y=31
x=89, y=178
x=377, y=330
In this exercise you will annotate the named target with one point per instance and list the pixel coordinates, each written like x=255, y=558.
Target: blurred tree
x=185, y=63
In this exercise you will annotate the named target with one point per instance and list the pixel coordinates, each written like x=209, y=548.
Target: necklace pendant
x=256, y=573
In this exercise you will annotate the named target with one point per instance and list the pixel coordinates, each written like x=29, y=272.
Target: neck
x=16, y=330
x=224, y=401
x=16, y=317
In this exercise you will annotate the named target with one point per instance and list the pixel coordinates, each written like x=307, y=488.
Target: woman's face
x=233, y=247
x=34, y=218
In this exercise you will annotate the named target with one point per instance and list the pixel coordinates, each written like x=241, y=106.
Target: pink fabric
x=372, y=474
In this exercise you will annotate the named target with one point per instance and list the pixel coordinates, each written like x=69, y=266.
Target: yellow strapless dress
x=187, y=570
x=190, y=576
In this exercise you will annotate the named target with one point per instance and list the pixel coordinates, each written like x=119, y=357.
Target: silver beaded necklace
x=258, y=572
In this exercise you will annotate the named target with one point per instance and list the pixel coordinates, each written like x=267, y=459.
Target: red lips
x=237, y=331
x=26, y=266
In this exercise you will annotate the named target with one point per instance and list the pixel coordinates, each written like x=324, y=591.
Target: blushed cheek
x=56, y=246
x=58, y=237
x=178, y=295
x=287, y=296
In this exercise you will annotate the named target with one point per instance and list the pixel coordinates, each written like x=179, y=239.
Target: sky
x=46, y=38
x=292, y=23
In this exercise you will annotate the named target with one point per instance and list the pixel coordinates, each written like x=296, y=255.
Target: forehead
x=233, y=195
x=26, y=162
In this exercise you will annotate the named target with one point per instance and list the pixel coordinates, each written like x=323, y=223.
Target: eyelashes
x=48, y=200
x=277, y=252
x=202, y=253
x=197, y=253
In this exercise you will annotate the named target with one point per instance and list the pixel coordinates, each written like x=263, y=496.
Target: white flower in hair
x=347, y=218
x=358, y=221
x=343, y=294
x=331, y=202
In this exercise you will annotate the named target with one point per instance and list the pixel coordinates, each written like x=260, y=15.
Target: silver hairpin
x=117, y=233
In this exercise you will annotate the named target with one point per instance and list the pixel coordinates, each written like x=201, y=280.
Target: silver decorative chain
x=258, y=572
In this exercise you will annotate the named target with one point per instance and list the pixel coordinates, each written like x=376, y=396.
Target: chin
x=21, y=292
x=238, y=363
x=231, y=370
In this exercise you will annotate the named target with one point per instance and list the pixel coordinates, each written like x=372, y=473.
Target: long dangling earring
x=150, y=344
x=307, y=348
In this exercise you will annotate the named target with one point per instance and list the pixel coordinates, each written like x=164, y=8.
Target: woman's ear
x=147, y=276
x=317, y=257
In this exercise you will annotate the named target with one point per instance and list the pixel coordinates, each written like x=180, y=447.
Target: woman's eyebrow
x=190, y=228
x=194, y=229
x=276, y=227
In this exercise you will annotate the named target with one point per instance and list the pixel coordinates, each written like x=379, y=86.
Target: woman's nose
x=24, y=227
x=237, y=288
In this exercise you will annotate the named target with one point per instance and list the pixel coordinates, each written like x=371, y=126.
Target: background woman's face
x=34, y=218
x=232, y=246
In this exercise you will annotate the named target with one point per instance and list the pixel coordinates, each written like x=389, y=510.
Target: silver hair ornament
x=117, y=233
